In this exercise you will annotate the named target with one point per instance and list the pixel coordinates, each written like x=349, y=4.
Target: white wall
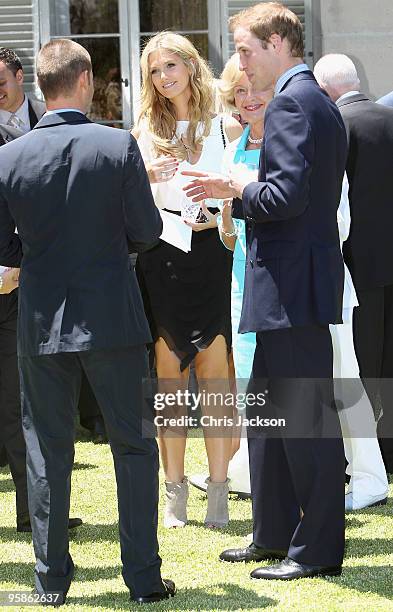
x=363, y=30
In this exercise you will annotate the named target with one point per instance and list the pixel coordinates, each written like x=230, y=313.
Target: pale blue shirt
x=288, y=74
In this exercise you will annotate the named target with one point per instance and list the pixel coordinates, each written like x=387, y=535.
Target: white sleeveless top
x=170, y=195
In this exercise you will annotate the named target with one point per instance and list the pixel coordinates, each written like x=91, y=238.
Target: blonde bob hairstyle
x=229, y=78
x=158, y=113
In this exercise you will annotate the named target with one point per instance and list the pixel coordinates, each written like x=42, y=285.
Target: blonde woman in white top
x=189, y=293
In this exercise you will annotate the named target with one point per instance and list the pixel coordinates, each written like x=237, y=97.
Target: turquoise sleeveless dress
x=243, y=344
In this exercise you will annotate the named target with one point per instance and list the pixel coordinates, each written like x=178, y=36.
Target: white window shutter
x=18, y=32
x=299, y=7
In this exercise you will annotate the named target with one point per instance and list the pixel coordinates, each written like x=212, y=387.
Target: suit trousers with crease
x=373, y=338
x=11, y=434
x=292, y=471
x=50, y=387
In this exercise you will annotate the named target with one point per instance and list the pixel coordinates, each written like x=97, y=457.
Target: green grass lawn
x=190, y=555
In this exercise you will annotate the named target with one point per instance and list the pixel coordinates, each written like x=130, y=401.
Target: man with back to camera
x=368, y=252
x=293, y=290
x=89, y=191
x=19, y=114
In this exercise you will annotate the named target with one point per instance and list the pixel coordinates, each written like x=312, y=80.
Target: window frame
x=130, y=47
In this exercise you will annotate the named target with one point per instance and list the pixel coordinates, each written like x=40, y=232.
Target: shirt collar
x=64, y=110
x=22, y=113
x=347, y=94
x=288, y=74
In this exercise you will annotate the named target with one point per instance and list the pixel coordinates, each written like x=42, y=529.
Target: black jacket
x=368, y=252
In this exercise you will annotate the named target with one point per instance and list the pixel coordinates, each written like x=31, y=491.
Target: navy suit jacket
x=294, y=268
x=77, y=192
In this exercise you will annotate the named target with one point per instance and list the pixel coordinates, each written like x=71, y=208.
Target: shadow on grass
x=368, y=579
x=23, y=573
x=361, y=578
x=385, y=510
x=85, y=533
x=232, y=597
x=236, y=527
x=361, y=547
x=84, y=466
x=352, y=522
x=6, y=486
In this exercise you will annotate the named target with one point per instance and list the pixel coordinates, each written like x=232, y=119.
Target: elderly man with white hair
x=368, y=253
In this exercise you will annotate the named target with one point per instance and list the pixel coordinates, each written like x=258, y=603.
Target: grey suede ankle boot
x=176, y=493
x=217, y=504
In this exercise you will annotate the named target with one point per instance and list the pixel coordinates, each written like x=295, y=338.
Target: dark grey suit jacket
x=368, y=251
x=36, y=110
x=77, y=192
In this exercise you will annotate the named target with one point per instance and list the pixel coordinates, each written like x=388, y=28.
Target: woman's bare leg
x=211, y=367
x=172, y=443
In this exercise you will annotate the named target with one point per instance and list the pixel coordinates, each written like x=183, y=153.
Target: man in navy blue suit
x=293, y=290
x=79, y=194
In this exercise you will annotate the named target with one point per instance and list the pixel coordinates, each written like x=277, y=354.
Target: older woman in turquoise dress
x=241, y=157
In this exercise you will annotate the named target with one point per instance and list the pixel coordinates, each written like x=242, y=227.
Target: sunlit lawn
x=190, y=555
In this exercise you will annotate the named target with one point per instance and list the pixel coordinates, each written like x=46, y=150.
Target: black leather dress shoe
x=169, y=591
x=288, y=569
x=251, y=553
x=25, y=527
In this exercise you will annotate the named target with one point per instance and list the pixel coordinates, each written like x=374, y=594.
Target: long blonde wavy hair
x=159, y=112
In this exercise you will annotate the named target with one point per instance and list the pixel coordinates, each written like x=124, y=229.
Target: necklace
x=187, y=148
x=254, y=140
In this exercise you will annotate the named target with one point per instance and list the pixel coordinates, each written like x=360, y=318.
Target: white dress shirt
x=353, y=92
x=22, y=113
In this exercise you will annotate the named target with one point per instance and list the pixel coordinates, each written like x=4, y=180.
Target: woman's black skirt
x=188, y=295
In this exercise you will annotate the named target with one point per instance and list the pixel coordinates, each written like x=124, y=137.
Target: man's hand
x=10, y=278
x=208, y=185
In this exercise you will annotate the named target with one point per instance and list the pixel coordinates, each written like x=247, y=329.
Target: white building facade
x=114, y=32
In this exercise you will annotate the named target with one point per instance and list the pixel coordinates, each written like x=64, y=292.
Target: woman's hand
x=162, y=169
x=227, y=229
x=226, y=214
x=210, y=223
x=10, y=280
